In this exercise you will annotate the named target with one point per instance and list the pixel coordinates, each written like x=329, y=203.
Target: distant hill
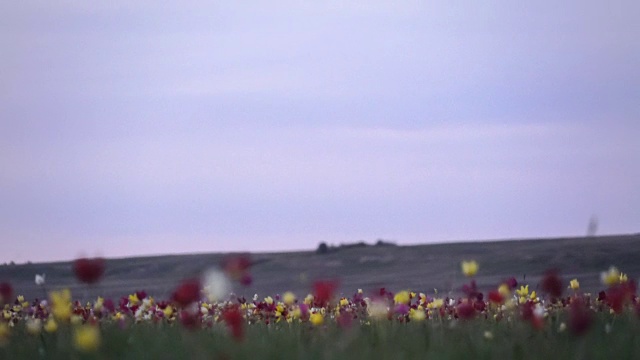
x=419, y=268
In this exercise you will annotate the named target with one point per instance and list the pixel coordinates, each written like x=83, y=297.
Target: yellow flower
x=98, y=304
x=574, y=284
x=61, y=304
x=51, y=326
x=6, y=314
x=344, y=302
x=133, y=299
x=296, y=313
x=469, y=268
x=86, y=338
x=168, y=311
x=309, y=299
x=268, y=300
x=435, y=304
x=623, y=278
x=316, y=319
x=523, y=291
x=20, y=298
x=610, y=277
x=504, y=290
x=417, y=315
x=402, y=297
x=289, y=298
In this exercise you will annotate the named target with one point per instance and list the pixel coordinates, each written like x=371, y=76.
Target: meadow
x=573, y=298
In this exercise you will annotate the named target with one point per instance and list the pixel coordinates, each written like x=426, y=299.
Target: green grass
x=380, y=340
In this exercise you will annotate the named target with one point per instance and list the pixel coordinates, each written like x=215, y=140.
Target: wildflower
x=402, y=297
x=237, y=267
x=6, y=293
x=435, y=304
x=89, y=271
x=378, y=309
x=316, y=319
x=562, y=327
x=268, y=300
x=51, y=325
x=488, y=335
x=323, y=291
x=216, y=285
x=469, y=268
x=465, y=310
x=168, y=311
x=33, y=326
x=234, y=319
x=289, y=298
x=574, y=284
x=417, y=314
x=610, y=277
x=523, y=291
x=40, y=279
x=344, y=302
x=4, y=333
x=61, y=304
x=86, y=338
x=133, y=299
x=580, y=318
x=495, y=297
x=552, y=284
x=187, y=292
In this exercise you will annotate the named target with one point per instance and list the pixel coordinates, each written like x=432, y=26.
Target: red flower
x=620, y=294
x=6, y=293
x=233, y=318
x=237, y=268
x=187, y=292
x=465, y=310
x=89, y=271
x=323, y=291
x=189, y=321
x=496, y=297
x=580, y=318
x=552, y=284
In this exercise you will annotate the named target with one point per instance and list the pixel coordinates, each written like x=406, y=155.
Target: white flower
x=216, y=285
x=40, y=279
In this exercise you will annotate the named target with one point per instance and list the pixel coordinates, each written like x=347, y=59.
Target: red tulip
x=233, y=318
x=89, y=271
x=6, y=293
x=465, y=311
x=187, y=292
x=552, y=284
x=323, y=291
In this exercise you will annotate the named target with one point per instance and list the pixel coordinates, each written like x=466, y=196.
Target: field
x=414, y=302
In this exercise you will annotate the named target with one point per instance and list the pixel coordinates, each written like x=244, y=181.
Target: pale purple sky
x=134, y=127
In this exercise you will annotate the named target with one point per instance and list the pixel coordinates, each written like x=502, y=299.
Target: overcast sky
x=131, y=128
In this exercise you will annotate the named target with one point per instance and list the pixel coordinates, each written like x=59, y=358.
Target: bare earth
x=420, y=268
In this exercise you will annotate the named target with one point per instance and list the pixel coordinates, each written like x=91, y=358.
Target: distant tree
x=323, y=248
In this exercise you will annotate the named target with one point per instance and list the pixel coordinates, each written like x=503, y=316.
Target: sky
x=150, y=127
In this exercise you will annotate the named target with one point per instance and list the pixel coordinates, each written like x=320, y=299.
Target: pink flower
x=89, y=271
